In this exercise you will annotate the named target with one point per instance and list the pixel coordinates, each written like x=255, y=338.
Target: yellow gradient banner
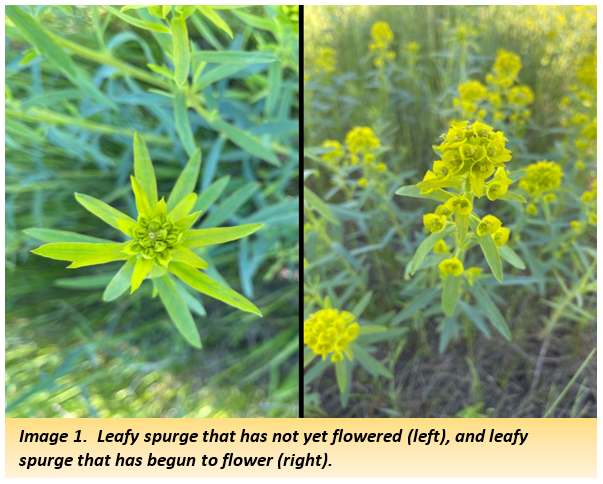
x=301, y=447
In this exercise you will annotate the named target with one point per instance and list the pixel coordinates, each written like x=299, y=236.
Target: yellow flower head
x=461, y=205
x=363, y=183
x=326, y=60
x=440, y=247
x=501, y=236
x=330, y=331
x=451, y=266
x=435, y=223
x=382, y=34
x=336, y=151
x=472, y=91
x=541, y=176
x=521, y=96
x=507, y=66
x=362, y=140
x=381, y=167
x=489, y=225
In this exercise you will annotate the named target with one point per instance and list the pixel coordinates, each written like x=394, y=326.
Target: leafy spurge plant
x=159, y=241
x=472, y=164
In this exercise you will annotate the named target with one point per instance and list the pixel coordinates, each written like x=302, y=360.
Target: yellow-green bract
x=159, y=241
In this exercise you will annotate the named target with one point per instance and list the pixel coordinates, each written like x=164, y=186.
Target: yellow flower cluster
x=521, y=96
x=326, y=60
x=382, y=36
x=362, y=140
x=361, y=144
x=542, y=176
x=506, y=100
x=331, y=331
x=493, y=226
x=471, y=93
x=506, y=69
x=474, y=152
x=588, y=136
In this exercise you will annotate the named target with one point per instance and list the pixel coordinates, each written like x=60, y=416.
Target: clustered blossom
x=382, y=36
x=361, y=145
x=326, y=61
x=473, y=161
x=329, y=332
x=501, y=96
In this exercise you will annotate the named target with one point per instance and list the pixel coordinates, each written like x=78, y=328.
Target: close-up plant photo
x=450, y=211
x=152, y=211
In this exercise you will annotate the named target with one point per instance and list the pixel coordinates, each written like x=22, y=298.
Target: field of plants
x=154, y=151
x=450, y=211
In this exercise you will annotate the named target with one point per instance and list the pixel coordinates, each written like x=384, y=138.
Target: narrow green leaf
x=484, y=300
x=71, y=251
x=256, y=21
x=196, y=238
x=141, y=270
x=208, y=196
x=136, y=22
x=126, y=227
x=426, y=247
x=183, y=208
x=105, y=212
x=230, y=205
x=181, y=52
x=188, y=257
x=450, y=294
x=489, y=249
x=121, y=281
x=371, y=329
x=450, y=182
x=216, y=74
x=369, y=363
x=177, y=309
x=142, y=201
x=362, y=304
x=341, y=374
x=512, y=197
x=245, y=141
x=143, y=169
x=462, y=225
x=182, y=122
x=51, y=235
x=316, y=203
x=187, y=222
x=512, y=257
x=101, y=257
x=36, y=35
x=187, y=180
x=415, y=192
x=162, y=70
x=234, y=57
x=214, y=18
x=207, y=285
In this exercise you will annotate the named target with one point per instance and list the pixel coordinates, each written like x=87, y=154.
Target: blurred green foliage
x=70, y=118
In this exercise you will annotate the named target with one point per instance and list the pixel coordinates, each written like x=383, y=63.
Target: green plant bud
x=154, y=225
x=171, y=239
x=143, y=221
x=161, y=234
x=147, y=242
x=139, y=233
x=168, y=226
x=160, y=246
x=149, y=253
